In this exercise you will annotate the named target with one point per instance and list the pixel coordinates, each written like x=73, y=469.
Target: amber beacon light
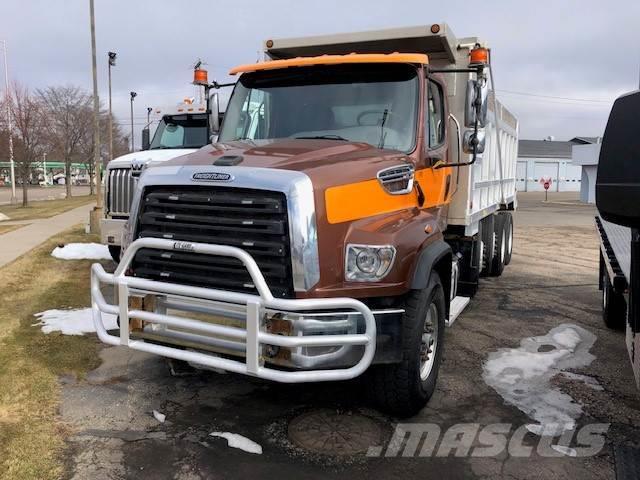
x=478, y=56
x=200, y=77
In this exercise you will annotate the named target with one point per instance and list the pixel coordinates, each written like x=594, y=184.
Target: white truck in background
x=181, y=129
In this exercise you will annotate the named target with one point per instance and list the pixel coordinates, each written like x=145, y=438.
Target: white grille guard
x=253, y=335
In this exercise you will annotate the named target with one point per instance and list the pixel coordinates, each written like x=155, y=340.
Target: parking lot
x=318, y=430
x=41, y=193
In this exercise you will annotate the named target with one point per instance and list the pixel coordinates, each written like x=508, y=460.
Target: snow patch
x=522, y=376
x=587, y=380
x=3, y=217
x=238, y=441
x=82, y=251
x=72, y=322
x=566, y=451
x=161, y=417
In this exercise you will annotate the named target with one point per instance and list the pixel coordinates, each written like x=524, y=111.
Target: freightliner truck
x=618, y=222
x=360, y=186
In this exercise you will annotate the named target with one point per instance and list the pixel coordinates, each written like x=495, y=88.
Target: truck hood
x=146, y=156
x=326, y=162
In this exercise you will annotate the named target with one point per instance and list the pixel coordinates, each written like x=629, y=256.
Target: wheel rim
x=429, y=342
x=605, y=293
x=510, y=239
x=503, y=248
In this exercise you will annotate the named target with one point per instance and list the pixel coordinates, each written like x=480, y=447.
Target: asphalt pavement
x=552, y=280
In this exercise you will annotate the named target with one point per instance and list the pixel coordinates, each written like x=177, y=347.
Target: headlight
x=368, y=263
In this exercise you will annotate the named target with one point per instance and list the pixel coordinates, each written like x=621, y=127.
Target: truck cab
x=181, y=130
x=618, y=223
x=341, y=221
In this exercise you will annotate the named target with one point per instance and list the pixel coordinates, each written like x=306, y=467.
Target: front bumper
x=111, y=230
x=291, y=341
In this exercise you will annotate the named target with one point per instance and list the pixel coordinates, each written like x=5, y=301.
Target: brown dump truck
x=359, y=187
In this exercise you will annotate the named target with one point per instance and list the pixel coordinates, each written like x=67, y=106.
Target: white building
x=539, y=159
x=586, y=157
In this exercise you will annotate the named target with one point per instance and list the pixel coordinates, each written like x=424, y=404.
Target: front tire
x=403, y=389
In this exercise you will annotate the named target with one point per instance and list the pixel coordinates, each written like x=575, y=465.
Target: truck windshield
x=371, y=103
x=180, y=131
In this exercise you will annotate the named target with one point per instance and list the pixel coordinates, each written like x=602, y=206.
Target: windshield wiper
x=323, y=137
x=383, y=134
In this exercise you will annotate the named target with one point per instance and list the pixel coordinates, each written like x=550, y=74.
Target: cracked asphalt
x=551, y=280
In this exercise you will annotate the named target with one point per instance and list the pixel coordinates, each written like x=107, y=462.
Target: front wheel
x=403, y=389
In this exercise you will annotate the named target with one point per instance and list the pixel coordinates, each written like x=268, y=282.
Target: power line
x=526, y=94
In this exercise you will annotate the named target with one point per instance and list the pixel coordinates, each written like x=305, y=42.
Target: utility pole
x=133, y=95
x=112, y=63
x=9, y=124
x=94, y=222
x=44, y=168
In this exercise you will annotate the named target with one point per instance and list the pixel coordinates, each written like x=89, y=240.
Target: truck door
x=435, y=182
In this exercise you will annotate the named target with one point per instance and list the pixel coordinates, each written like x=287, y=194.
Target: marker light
x=435, y=28
x=200, y=77
x=478, y=56
x=269, y=43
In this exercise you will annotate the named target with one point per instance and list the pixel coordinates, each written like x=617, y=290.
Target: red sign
x=546, y=182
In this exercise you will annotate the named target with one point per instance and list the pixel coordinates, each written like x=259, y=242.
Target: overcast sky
x=558, y=64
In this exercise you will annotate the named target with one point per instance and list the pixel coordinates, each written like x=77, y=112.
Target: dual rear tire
x=497, y=243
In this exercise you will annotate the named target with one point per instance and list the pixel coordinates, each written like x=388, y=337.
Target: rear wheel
x=404, y=388
x=488, y=244
x=114, y=251
x=614, y=307
x=498, y=262
x=508, y=228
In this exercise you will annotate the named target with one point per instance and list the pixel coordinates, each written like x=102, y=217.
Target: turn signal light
x=478, y=56
x=200, y=77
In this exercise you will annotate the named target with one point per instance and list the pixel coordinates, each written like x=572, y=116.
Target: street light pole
x=112, y=63
x=9, y=124
x=94, y=223
x=133, y=95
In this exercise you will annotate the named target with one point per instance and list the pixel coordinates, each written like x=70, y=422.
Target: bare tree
x=120, y=142
x=66, y=122
x=29, y=133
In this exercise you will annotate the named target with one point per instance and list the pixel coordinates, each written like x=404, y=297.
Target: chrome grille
x=253, y=220
x=120, y=188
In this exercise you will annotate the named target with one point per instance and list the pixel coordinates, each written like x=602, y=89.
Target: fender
x=427, y=258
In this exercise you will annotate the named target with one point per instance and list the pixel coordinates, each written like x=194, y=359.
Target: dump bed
x=480, y=189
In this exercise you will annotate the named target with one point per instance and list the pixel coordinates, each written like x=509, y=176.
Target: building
x=586, y=157
x=549, y=159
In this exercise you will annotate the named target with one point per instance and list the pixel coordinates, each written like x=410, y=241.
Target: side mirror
x=146, y=143
x=476, y=103
x=618, y=180
x=472, y=138
x=214, y=113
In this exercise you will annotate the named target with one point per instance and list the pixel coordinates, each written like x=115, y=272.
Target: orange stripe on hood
x=354, y=201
